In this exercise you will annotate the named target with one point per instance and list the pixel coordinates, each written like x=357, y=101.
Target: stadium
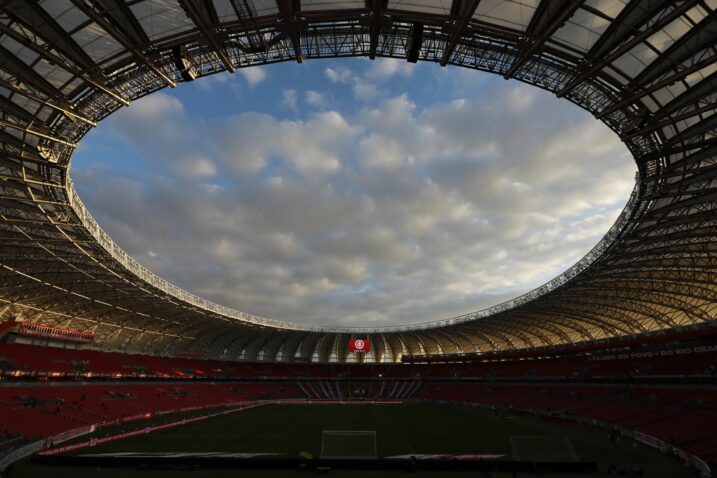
x=609, y=368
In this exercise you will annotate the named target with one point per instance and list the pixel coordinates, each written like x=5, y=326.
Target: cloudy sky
x=354, y=192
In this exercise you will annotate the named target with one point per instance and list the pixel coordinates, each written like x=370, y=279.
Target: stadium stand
x=669, y=412
x=650, y=389
x=691, y=359
x=37, y=411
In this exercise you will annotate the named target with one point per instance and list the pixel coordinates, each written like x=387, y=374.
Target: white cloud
x=365, y=85
x=289, y=99
x=339, y=74
x=160, y=105
x=157, y=126
x=253, y=75
x=208, y=83
x=519, y=99
x=315, y=99
x=383, y=68
x=365, y=91
x=390, y=213
x=249, y=142
x=198, y=168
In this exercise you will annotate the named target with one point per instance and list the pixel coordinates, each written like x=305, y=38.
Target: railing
x=154, y=280
x=20, y=453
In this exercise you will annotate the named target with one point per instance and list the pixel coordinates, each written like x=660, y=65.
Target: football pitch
x=399, y=430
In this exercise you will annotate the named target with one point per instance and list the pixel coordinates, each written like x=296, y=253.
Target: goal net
x=348, y=444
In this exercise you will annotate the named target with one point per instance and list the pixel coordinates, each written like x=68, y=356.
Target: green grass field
x=400, y=429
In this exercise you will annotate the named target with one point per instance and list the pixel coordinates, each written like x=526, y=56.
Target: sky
x=353, y=192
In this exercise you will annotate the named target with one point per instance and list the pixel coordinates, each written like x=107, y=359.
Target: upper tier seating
x=57, y=362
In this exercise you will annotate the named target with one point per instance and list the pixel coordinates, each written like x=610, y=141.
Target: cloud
x=384, y=68
x=253, y=75
x=390, y=212
x=252, y=143
x=158, y=128
x=365, y=84
x=339, y=74
x=315, y=99
x=365, y=91
x=519, y=99
x=197, y=168
x=289, y=99
x=209, y=83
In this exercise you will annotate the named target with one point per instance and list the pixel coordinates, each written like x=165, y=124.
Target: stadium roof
x=646, y=68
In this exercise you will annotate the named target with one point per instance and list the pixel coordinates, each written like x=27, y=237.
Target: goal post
x=349, y=444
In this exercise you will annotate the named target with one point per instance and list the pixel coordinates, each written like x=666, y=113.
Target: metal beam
x=121, y=16
x=694, y=130
x=246, y=13
x=641, y=93
x=40, y=134
x=377, y=22
x=127, y=38
x=547, y=19
x=691, y=95
x=290, y=13
x=458, y=30
x=7, y=106
x=702, y=35
x=204, y=17
x=651, y=126
x=30, y=14
x=621, y=36
x=60, y=61
x=65, y=109
x=24, y=73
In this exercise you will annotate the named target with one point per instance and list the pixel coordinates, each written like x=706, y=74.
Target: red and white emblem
x=359, y=345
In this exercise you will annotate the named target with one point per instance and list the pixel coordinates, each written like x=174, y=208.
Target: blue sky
x=353, y=192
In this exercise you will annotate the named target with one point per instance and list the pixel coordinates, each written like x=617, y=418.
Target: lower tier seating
x=40, y=411
x=681, y=415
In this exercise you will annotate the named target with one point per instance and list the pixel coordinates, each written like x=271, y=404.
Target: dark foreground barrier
x=198, y=461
